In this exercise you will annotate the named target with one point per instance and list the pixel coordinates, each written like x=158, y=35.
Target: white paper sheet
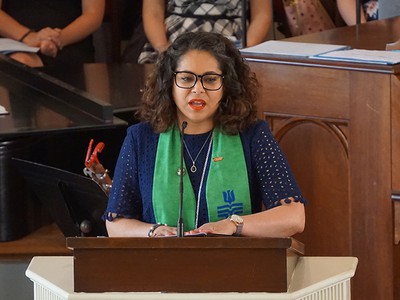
x=3, y=110
x=365, y=56
x=9, y=46
x=291, y=48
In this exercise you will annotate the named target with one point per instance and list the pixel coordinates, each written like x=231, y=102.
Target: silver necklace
x=201, y=183
x=193, y=168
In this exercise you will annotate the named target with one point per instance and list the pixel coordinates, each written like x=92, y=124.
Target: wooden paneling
x=370, y=182
x=395, y=103
x=303, y=91
x=334, y=125
x=311, y=124
x=317, y=153
x=395, y=132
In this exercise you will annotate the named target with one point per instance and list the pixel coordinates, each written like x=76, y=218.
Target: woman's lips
x=197, y=104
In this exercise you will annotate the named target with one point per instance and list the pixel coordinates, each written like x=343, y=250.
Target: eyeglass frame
x=201, y=80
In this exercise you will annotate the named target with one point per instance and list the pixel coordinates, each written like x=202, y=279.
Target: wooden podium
x=188, y=264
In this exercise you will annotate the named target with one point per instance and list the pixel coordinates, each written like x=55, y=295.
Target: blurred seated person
x=233, y=166
x=164, y=21
x=61, y=29
x=368, y=11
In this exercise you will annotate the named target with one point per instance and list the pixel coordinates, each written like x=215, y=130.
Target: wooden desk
x=48, y=240
x=339, y=125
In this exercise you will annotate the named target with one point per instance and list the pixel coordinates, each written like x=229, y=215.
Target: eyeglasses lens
x=187, y=80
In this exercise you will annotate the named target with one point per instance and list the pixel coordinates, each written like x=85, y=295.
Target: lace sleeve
x=275, y=178
x=124, y=200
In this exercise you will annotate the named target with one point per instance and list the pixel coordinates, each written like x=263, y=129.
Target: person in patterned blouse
x=164, y=21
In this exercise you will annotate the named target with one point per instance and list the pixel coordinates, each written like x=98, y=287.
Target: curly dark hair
x=237, y=109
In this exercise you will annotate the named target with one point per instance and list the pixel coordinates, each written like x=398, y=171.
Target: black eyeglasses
x=187, y=80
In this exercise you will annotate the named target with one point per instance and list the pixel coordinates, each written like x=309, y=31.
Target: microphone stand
x=244, y=23
x=181, y=174
x=358, y=12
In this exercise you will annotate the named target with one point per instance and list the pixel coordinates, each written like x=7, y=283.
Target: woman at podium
x=199, y=154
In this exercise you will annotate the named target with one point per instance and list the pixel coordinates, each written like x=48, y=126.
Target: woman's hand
x=34, y=39
x=164, y=231
x=225, y=226
x=49, y=48
x=49, y=34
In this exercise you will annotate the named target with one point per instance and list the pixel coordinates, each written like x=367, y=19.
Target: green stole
x=227, y=187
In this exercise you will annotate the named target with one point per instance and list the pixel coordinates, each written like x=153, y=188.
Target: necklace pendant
x=179, y=171
x=193, y=169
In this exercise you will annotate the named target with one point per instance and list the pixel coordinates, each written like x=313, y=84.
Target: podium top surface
x=185, y=242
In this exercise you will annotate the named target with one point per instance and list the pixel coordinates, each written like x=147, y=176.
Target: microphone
x=181, y=174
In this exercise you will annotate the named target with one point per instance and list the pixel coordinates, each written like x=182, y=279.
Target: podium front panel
x=207, y=264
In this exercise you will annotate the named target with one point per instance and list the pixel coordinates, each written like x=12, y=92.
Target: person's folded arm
x=281, y=221
x=260, y=22
x=154, y=24
x=124, y=227
x=83, y=26
x=347, y=9
x=10, y=28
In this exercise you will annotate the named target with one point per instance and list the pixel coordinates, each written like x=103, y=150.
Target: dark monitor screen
x=75, y=202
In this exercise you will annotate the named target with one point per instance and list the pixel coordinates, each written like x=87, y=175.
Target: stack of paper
x=291, y=48
x=3, y=110
x=9, y=46
x=364, y=56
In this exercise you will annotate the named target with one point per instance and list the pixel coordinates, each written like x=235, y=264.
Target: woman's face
x=197, y=105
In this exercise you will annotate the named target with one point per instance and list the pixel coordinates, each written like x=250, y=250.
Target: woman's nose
x=198, y=87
